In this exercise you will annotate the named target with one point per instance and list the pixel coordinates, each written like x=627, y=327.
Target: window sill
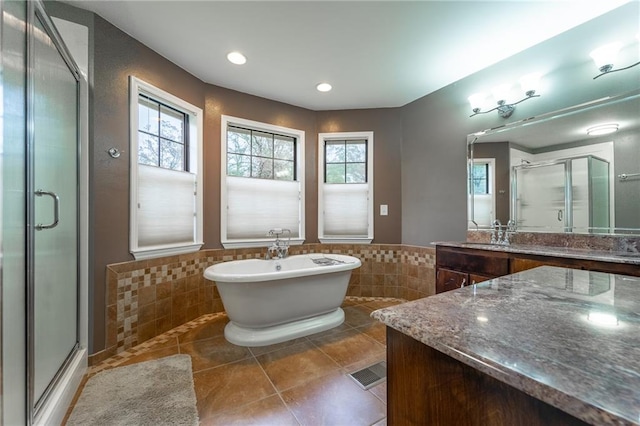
x=325, y=240
x=259, y=243
x=162, y=251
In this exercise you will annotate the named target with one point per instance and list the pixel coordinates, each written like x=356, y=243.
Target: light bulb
x=477, y=101
x=530, y=83
x=236, y=58
x=500, y=92
x=323, y=87
x=605, y=56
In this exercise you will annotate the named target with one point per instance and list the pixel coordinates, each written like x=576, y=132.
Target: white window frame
x=491, y=194
x=322, y=139
x=299, y=135
x=136, y=87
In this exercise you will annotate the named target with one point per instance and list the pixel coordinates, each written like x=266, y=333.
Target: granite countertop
x=568, y=337
x=632, y=258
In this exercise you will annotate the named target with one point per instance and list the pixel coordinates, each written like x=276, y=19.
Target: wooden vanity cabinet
x=456, y=267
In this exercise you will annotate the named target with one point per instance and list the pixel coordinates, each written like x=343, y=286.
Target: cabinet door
x=477, y=279
x=450, y=280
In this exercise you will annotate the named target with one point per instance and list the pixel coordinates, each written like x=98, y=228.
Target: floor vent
x=370, y=376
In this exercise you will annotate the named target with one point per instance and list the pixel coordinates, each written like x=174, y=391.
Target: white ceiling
x=374, y=53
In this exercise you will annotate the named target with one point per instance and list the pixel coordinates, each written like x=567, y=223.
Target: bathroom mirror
x=549, y=175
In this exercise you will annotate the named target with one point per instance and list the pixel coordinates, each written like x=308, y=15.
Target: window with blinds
x=345, y=192
x=166, y=145
x=262, y=182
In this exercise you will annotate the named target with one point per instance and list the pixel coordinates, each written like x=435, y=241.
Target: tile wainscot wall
x=149, y=297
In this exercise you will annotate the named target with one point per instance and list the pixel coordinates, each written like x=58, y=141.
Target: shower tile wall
x=149, y=297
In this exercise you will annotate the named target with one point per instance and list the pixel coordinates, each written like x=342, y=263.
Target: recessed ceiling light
x=236, y=58
x=323, y=87
x=602, y=129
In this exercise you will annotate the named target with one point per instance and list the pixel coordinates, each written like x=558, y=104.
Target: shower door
x=540, y=197
x=53, y=159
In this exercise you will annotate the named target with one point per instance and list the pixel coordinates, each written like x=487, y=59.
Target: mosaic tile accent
x=149, y=297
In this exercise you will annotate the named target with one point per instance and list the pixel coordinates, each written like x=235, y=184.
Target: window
x=162, y=135
x=262, y=182
x=482, y=188
x=166, y=164
x=481, y=178
x=345, y=190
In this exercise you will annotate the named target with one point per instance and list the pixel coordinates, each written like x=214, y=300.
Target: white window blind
x=166, y=206
x=346, y=210
x=256, y=205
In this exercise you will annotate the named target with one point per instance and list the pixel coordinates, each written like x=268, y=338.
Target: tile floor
x=300, y=382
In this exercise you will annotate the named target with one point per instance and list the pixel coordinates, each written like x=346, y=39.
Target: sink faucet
x=279, y=249
x=496, y=235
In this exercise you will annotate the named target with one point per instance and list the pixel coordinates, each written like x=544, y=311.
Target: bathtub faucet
x=280, y=248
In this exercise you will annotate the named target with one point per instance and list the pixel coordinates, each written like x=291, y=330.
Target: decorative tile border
x=149, y=298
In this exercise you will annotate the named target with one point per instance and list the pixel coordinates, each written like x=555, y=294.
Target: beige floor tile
x=152, y=354
x=333, y=400
x=213, y=328
x=270, y=411
x=357, y=316
x=260, y=350
x=367, y=360
x=230, y=386
x=335, y=330
x=379, y=304
x=382, y=422
x=213, y=352
x=296, y=365
x=376, y=330
x=348, y=347
x=380, y=391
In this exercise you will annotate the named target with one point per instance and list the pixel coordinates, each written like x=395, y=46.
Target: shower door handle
x=560, y=215
x=56, y=210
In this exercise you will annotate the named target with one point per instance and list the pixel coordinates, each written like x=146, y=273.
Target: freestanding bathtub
x=272, y=301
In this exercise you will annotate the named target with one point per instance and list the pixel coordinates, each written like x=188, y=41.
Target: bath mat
x=158, y=392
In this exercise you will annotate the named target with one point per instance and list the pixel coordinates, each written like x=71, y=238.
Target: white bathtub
x=271, y=301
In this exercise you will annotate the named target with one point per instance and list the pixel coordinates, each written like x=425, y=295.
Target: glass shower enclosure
x=565, y=195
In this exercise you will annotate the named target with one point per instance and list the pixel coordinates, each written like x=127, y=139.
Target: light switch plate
x=384, y=210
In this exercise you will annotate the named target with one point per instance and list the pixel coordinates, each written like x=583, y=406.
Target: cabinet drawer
x=447, y=279
x=488, y=263
x=477, y=279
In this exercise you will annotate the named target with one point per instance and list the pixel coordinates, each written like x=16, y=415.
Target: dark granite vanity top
x=568, y=337
x=632, y=258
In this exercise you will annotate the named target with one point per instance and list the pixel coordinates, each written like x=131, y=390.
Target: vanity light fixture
x=605, y=57
x=602, y=129
x=323, y=87
x=529, y=84
x=237, y=58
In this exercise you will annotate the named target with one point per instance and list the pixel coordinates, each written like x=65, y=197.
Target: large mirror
x=556, y=173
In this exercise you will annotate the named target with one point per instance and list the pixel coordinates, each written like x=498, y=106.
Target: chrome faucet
x=279, y=249
x=511, y=229
x=501, y=235
x=496, y=235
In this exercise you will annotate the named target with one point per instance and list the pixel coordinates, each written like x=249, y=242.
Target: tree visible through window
x=162, y=135
x=259, y=154
x=481, y=178
x=345, y=161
